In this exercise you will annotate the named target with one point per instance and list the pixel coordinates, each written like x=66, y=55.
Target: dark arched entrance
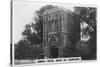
x=53, y=52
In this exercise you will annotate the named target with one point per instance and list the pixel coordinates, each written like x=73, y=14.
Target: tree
x=22, y=50
x=87, y=31
x=88, y=16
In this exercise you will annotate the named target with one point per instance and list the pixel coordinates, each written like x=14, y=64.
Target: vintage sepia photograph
x=44, y=32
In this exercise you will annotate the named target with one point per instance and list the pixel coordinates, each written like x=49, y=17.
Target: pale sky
x=23, y=13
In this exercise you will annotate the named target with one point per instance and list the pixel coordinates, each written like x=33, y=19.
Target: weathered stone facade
x=57, y=26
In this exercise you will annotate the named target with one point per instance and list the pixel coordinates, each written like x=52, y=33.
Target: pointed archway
x=53, y=51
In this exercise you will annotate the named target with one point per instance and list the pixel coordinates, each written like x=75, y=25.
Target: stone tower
x=57, y=26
